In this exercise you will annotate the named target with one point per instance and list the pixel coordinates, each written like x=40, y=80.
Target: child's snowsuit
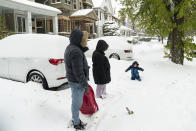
x=134, y=71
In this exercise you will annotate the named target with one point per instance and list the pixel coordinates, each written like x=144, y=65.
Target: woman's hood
x=102, y=46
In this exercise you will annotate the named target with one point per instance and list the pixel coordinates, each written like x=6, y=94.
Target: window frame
x=80, y=5
x=56, y=1
x=67, y=2
x=75, y=4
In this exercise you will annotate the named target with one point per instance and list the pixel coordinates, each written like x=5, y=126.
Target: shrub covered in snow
x=3, y=30
x=111, y=28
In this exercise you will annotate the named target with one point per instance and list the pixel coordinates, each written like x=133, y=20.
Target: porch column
x=93, y=28
x=29, y=22
x=55, y=24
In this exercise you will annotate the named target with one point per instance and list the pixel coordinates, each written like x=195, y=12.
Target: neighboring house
x=22, y=15
x=125, y=31
x=76, y=14
x=106, y=12
x=126, y=27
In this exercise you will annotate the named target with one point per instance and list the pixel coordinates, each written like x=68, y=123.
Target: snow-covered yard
x=165, y=100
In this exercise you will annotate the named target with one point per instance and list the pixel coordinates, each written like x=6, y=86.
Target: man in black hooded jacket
x=77, y=72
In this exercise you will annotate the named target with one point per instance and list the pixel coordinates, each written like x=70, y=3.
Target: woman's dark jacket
x=101, y=65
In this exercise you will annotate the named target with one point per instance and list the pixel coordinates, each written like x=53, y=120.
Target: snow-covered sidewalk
x=165, y=100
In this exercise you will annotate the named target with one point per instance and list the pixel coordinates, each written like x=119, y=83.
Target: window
x=53, y=1
x=20, y=25
x=67, y=26
x=75, y=4
x=91, y=29
x=96, y=12
x=80, y=5
x=56, y=1
x=68, y=2
x=60, y=25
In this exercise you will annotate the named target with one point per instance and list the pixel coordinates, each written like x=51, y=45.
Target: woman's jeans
x=77, y=100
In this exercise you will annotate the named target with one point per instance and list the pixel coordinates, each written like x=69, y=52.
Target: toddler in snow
x=134, y=71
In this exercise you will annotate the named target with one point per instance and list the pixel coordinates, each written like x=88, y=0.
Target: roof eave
x=43, y=11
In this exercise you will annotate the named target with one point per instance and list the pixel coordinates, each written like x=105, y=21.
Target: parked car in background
x=34, y=57
x=119, y=48
x=133, y=40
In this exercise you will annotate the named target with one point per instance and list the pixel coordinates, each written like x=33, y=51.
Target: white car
x=119, y=48
x=34, y=57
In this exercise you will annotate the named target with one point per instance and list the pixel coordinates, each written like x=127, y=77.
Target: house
x=76, y=14
x=104, y=11
x=22, y=16
x=126, y=31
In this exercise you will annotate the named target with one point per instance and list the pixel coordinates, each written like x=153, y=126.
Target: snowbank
x=33, y=45
x=165, y=100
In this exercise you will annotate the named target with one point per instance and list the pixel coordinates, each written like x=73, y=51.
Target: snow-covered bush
x=3, y=29
x=111, y=28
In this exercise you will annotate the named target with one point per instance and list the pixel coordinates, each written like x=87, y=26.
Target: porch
x=24, y=16
x=82, y=19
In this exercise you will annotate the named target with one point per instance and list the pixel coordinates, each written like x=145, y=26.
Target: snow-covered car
x=119, y=48
x=133, y=40
x=34, y=57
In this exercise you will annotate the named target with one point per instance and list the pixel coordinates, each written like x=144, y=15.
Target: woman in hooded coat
x=101, y=68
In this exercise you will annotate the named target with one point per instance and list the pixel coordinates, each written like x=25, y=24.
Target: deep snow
x=165, y=100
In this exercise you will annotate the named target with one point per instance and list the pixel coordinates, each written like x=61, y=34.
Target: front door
x=78, y=25
x=20, y=24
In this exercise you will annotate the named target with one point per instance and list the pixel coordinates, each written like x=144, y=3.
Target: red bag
x=89, y=105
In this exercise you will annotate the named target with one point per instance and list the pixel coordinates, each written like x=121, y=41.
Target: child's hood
x=135, y=62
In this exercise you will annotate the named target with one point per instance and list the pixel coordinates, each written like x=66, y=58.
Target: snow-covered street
x=164, y=100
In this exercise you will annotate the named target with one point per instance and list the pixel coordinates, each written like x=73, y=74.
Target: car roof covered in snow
x=33, y=45
x=114, y=42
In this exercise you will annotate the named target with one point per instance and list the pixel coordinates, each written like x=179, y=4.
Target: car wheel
x=37, y=77
x=115, y=56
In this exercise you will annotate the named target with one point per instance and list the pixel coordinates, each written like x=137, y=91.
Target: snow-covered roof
x=36, y=5
x=97, y=3
x=124, y=28
x=82, y=12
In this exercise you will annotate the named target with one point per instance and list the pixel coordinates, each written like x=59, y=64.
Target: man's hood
x=76, y=37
